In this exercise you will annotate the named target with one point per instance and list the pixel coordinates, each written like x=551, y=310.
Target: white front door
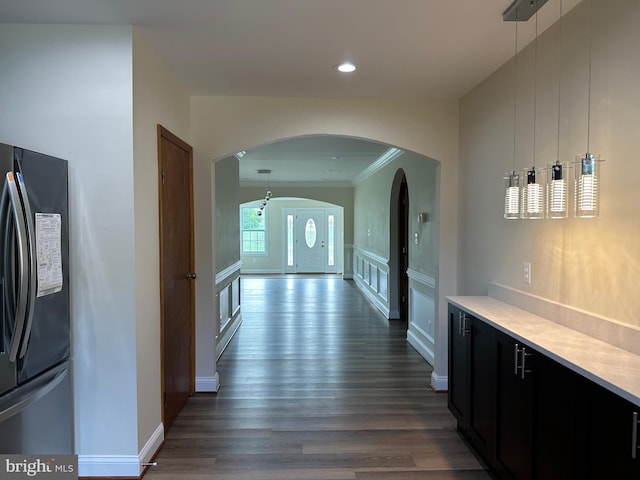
x=311, y=240
x=310, y=248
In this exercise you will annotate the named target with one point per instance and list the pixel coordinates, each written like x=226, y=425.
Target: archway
x=399, y=247
x=223, y=125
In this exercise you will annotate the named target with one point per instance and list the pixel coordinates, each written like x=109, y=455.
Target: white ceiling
x=403, y=48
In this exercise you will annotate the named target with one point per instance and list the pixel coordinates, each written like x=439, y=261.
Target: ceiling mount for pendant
x=522, y=10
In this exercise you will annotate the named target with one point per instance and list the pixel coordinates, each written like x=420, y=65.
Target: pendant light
x=512, y=179
x=587, y=171
x=532, y=202
x=262, y=204
x=557, y=199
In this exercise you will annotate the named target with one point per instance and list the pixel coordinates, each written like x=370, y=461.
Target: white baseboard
x=227, y=335
x=208, y=384
x=372, y=297
x=423, y=349
x=153, y=445
x=108, y=466
x=439, y=383
x=260, y=271
x=121, y=465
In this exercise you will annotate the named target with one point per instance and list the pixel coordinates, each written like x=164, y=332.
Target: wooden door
x=403, y=251
x=177, y=289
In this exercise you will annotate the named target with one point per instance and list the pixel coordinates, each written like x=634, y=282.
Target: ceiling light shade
x=512, y=179
x=557, y=200
x=587, y=172
x=532, y=194
x=512, y=196
x=587, y=186
x=346, y=67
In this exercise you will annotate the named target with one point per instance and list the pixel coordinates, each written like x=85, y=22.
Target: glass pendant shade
x=532, y=191
x=512, y=196
x=557, y=200
x=587, y=186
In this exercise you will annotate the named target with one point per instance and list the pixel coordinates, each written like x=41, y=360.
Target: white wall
x=66, y=91
x=157, y=99
x=589, y=264
x=223, y=125
x=275, y=261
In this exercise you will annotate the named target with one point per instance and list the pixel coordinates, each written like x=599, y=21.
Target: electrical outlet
x=526, y=273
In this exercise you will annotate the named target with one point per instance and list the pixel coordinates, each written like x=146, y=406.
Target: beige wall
x=157, y=99
x=372, y=211
x=590, y=264
x=227, y=221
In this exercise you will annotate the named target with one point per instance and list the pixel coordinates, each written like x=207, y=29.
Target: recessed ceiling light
x=345, y=67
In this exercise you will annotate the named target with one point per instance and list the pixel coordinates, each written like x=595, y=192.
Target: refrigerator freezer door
x=36, y=417
x=49, y=342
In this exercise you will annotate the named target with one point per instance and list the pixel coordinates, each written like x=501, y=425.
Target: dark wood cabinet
x=457, y=394
x=470, y=374
x=609, y=432
x=555, y=402
x=529, y=417
x=514, y=408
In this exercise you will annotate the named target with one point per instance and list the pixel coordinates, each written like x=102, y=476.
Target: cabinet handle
x=634, y=436
x=462, y=324
x=464, y=317
x=524, y=360
x=516, y=351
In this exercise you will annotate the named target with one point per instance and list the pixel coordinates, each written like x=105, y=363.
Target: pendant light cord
x=589, y=94
x=559, y=81
x=535, y=85
x=515, y=87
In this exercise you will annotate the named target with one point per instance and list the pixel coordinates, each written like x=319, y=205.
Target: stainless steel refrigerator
x=35, y=385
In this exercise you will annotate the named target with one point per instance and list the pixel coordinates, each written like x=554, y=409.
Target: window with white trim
x=253, y=223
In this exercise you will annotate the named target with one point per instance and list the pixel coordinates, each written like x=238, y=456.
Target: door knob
x=191, y=275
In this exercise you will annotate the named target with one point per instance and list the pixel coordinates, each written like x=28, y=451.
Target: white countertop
x=610, y=367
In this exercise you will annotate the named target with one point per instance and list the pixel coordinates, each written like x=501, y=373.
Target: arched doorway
x=399, y=251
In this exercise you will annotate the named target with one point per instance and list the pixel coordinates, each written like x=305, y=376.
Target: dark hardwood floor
x=316, y=385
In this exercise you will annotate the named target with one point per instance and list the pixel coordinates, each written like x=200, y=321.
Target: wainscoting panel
x=228, y=306
x=372, y=273
x=422, y=314
x=224, y=316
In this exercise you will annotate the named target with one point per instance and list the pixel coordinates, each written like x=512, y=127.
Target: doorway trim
x=395, y=273
x=164, y=134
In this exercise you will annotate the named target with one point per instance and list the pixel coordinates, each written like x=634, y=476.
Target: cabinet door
x=555, y=403
x=480, y=421
x=457, y=395
x=514, y=409
x=610, y=444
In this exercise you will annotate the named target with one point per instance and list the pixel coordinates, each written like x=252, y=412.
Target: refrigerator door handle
x=7, y=307
x=33, y=397
x=23, y=266
x=31, y=273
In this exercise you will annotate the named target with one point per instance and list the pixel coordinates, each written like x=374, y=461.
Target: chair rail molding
x=426, y=280
x=227, y=272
